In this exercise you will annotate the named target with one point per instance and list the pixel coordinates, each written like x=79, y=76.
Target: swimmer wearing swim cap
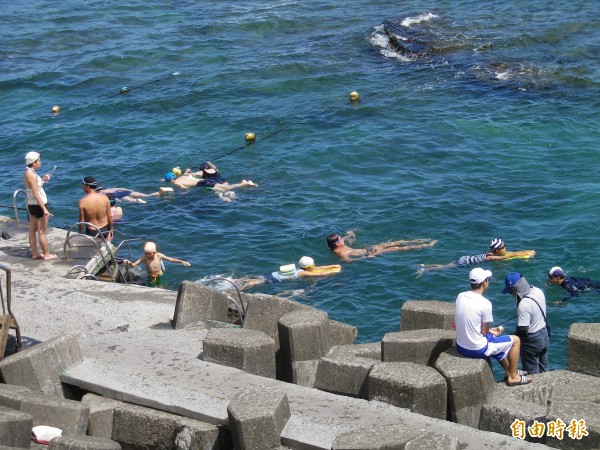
x=497, y=252
x=154, y=265
x=306, y=268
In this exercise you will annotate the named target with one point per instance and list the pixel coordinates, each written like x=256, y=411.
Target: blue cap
x=170, y=176
x=510, y=281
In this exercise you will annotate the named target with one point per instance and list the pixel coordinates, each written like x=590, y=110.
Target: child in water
x=154, y=264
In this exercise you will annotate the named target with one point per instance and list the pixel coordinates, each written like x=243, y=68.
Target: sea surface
x=492, y=132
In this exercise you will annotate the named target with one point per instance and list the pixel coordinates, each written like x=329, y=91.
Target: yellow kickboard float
x=324, y=270
x=511, y=255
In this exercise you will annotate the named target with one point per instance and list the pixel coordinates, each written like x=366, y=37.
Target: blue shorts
x=497, y=348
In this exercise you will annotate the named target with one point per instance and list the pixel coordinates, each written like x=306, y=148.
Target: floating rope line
x=126, y=89
x=354, y=97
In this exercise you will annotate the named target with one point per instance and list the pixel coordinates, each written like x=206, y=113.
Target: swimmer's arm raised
x=174, y=260
x=350, y=236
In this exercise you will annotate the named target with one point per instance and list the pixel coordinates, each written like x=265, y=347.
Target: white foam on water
x=379, y=39
x=418, y=19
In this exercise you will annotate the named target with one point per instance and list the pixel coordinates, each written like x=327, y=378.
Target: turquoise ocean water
x=495, y=134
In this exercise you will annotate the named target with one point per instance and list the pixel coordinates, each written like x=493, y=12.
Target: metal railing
x=15, y=208
x=100, y=243
x=241, y=309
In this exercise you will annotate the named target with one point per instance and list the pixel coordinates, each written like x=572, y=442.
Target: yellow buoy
x=354, y=97
x=56, y=109
x=250, y=137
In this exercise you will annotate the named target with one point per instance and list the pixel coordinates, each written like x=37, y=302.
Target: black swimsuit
x=105, y=230
x=210, y=182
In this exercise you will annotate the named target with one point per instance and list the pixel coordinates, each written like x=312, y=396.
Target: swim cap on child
x=176, y=171
x=150, y=247
x=170, y=176
x=306, y=261
x=497, y=244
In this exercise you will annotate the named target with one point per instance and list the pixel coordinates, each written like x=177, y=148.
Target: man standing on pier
x=94, y=208
x=532, y=326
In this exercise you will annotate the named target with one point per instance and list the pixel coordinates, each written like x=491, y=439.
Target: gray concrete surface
x=421, y=346
x=250, y=350
x=82, y=443
x=583, y=340
x=15, y=427
x=418, y=388
x=39, y=367
x=131, y=353
x=256, y=418
x=420, y=314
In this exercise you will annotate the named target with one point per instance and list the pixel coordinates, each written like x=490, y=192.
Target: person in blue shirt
x=573, y=285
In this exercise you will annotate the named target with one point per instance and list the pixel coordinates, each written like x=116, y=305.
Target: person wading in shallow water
x=154, y=265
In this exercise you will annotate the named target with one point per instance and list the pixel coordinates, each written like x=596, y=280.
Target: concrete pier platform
x=131, y=353
x=161, y=369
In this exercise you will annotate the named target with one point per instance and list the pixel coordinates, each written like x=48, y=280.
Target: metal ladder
x=104, y=248
x=7, y=320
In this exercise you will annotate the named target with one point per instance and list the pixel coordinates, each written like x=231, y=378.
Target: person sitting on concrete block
x=475, y=338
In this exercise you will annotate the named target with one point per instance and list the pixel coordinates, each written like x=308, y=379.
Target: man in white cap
x=475, y=338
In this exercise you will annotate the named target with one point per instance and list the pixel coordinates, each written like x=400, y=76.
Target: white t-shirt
x=472, y=310
x=529, y=313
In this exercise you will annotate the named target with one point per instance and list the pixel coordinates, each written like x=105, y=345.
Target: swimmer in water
x=307, y=269
x=210, y=179
x=573, y=285
x=115, y=211
x=337, y=245
x=126, y=195
x=497, y=252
